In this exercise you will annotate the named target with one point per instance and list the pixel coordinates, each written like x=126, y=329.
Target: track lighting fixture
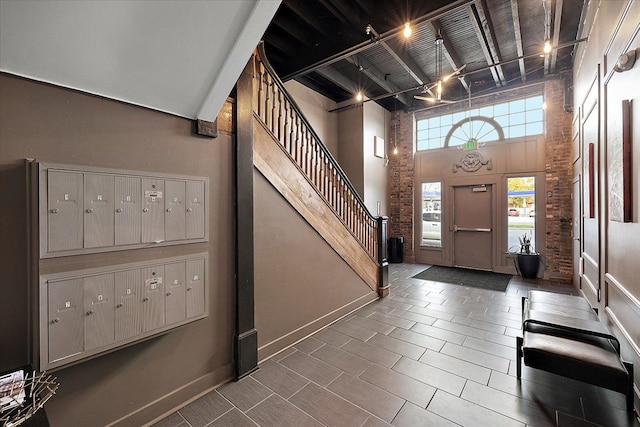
x=407, y=30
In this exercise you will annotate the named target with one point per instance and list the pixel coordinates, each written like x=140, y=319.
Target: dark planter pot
x=528, y=265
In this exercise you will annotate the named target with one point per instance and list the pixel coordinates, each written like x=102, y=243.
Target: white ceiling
x=181, y=57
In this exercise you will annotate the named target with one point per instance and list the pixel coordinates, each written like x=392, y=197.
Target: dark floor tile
x=244, y=393
x=233, y=418
x=523, y=410
x=311, y=368
x=341, y=359
x=418, y=339
x=411, y=416
x=397, y=346
x=439, y=333
x=353, y=331
x=456, y=366
x=206, y=409
x=374, y=421
x=466, y=413
x=328, y=408
x=565, y=420
x=173, y=420
x=409, y=315
x=399, y=384
x=430, y=375
x=371, y=324
x=367, y=396
x=372, y=353
x=277, y=412
x=392, y=320
x=308, y=345
x=506, y=352
x=279, y=379
x=478, y=357
x=332, y=337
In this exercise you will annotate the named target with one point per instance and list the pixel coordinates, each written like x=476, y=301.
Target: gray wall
x=350, y=135
x=613, y=30
x=301, y=283
x=375, y=169
x=63, y=126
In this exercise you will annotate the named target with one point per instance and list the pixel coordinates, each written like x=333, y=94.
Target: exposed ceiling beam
x=293, y=28
x=556, y=35
x=383, y=37
x=547, y=30
x=313, y=22
x=336, y=13
x=518, y=35
x=377, y=76
x=483, y=45
x=490, y=37
x=338, y=78
x=345, y=9
x=449, y=52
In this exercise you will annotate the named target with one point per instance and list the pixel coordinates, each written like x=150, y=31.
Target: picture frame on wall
x=619, y=164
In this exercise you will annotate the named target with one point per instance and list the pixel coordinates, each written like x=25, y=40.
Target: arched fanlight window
x=480, y=128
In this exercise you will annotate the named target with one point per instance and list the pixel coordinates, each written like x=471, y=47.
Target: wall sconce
x=378, y=147
x=625, y=61
x=547, y=46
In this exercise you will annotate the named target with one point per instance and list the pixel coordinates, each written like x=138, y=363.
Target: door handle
x=482, y=230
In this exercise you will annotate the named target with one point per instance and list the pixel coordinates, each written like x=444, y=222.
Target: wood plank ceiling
x=324, y=44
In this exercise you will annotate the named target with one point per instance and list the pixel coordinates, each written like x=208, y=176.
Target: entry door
x=472, y=229
x=576, y=233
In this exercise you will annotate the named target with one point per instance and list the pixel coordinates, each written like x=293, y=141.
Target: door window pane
x=521, y=211
x=431, y=214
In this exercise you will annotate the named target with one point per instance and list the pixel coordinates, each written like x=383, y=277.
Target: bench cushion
x=590, y=362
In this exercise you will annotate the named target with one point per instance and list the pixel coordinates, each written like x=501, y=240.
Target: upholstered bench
x=562, y=335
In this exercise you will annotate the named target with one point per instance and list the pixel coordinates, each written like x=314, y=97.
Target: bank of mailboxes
x=95, y=210
x=89, y=312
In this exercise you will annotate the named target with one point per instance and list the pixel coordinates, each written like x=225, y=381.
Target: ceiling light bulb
x=407, y=30
x=359, y=96
x=395, y=151
x=547, y=46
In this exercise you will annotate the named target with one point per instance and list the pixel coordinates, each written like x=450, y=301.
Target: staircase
x=291, y=156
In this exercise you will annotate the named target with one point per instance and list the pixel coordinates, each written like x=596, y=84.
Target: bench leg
x=519, y=342
x=629, y=368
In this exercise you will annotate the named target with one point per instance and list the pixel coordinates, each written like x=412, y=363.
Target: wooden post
x=246, y=337
x=383, y=263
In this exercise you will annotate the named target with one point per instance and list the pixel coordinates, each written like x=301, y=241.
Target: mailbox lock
x=189, y=210
x=89, y=313
x=56, y=320
x=145, y=210
x=168, y=293
x=89, y=210
x=54, y=211
x=119, y=210
x=119, y=305
x=145, y=299
x=168, y=209
x=188, y=289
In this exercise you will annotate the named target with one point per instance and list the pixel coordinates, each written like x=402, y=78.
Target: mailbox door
x=194, y=201
x=174, y=216
x=174, y=285
x=152, y=210
x=152, y=298
x=98, y=311
x=66, y=319
x=128, y=304
x=64, y=210
x=195, y=287
x=98, y=210
x=128, y=210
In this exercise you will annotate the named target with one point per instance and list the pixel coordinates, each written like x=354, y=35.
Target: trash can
x=395, y=249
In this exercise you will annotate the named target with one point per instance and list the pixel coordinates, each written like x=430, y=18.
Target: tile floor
x=431, y=354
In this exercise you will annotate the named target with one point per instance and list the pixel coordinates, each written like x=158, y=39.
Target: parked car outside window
x=513, y=212
x=431, y=223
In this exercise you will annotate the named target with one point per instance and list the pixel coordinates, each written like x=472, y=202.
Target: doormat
x=465, y=277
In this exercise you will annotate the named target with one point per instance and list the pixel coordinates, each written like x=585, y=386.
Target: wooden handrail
x=284, y=119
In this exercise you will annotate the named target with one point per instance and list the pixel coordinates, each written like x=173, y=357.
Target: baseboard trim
x=178, y=398
x=280, y=344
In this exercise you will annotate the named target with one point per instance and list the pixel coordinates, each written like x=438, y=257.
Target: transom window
x=512, y=119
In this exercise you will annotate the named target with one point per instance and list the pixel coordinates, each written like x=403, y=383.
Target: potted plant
x=528, y=258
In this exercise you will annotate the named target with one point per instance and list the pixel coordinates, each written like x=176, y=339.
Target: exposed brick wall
x=401, y=181
x=558, y=169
